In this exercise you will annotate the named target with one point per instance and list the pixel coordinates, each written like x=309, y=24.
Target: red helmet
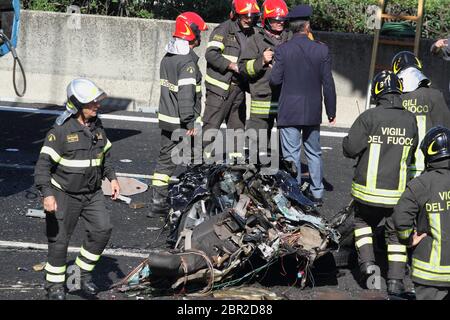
x=188, y=26
x=246, y=7
x=274, y=9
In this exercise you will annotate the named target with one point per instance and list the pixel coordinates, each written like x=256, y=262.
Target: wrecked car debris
x=223, y=216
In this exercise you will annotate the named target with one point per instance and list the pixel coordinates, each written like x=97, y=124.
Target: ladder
x=392, y=42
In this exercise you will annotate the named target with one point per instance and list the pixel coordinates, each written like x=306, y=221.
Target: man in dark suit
x=303, y=69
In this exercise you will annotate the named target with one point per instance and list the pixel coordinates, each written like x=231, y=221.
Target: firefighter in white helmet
x=72, y=163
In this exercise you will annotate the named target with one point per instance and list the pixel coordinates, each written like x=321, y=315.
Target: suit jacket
x=302, y=68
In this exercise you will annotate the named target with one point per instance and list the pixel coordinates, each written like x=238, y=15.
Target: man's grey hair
x=297, y=26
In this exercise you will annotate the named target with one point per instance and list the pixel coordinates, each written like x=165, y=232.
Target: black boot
x=56, y=292
x=395, y=287
x=87, y=285
x=159, y=206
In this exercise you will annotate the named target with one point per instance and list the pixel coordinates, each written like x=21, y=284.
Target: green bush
x=351, y=16
x=329, y=15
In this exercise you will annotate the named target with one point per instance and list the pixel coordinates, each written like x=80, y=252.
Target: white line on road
x=16, y=166
x=119, y=174
x=134, y=175
x=133, y=119
x=38, y=246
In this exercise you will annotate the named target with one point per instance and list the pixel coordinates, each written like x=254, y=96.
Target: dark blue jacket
x=303, y=68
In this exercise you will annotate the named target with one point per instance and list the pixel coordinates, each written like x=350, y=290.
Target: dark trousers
x=260, y=125
x=60, y=226
x=431, y=293
x=231, y=109
x=366, y=220
x=165, y=167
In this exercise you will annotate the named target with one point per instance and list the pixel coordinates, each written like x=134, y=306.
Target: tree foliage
x=329, y=15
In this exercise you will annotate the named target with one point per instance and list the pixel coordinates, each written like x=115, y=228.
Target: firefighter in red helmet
x=256, y=64
x=225, y=84
x=180, y=101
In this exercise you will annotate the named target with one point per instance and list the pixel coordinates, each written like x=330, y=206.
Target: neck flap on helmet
x=178, y=46
x=412, y=79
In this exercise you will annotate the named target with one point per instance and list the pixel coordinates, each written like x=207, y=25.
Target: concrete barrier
x=123, y=54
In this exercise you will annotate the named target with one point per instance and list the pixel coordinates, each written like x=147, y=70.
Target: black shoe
x=56, y=293
x=88, y=287
x=395, y=287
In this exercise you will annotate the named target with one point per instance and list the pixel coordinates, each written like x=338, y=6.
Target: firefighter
x=383, y=140
x=69, y=172
x=421, y=218
x=225, y=85
x=427, y=104
x=180, y=101
x=256, y=64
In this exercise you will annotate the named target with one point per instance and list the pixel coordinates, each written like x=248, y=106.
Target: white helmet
x=412, y=79
x=80, y=92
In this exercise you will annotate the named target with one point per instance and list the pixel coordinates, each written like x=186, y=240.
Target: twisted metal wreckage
x=224, y=215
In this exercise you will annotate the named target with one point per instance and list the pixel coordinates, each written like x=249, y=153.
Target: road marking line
x=16, y=166
x=135, y=119
x=38, y=246
x=119, y=174
x=134, y=175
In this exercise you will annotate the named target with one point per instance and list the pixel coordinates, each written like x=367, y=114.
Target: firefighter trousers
x=367, y=219
x=262, y=143
x=231, y=109
x=61, y=224
x=165, y=166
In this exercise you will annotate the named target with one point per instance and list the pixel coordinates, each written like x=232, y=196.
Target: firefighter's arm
x=329, y=88
x=49, y=156
x=277, y=76
x=252, y=61
x=404, y=216
x=108, y=169
x=186, y=94
x=214, y=51
x=109, y=172
x=357, y=139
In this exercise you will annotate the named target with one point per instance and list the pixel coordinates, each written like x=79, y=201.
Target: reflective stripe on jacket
x=74, y=159
x=384, y=140
x=430, y=108
x=226, y=43
x=180, y=100
x=264, y=97
x=425, y=208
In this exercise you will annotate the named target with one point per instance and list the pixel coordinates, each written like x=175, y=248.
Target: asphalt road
x=135, y=148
